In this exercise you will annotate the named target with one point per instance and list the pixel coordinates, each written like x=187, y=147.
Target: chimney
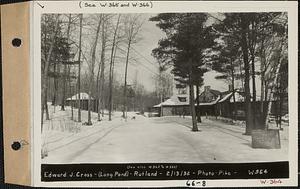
x=207, y=88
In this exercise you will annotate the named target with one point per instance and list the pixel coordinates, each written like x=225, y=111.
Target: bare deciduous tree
x=132, y=26
x=79, y=70
x=100, y=76
x=115, y=33
x=91, y=69
x=46, y=67
x=65, y=67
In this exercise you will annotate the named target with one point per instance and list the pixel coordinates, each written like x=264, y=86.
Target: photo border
x=159, y=7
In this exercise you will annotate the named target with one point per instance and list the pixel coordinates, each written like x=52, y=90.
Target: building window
x=182, y=99
x=182, y=91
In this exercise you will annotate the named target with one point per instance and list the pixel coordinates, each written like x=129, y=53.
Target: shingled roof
x=83, y=96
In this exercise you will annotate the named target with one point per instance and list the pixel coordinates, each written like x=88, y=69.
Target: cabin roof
x=83, y=96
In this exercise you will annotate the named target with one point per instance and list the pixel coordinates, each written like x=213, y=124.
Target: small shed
x=84, y=101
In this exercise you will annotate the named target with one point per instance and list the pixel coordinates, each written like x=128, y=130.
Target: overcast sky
x=146, y=65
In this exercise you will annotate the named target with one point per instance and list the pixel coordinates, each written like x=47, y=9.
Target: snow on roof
x=174, y=101
x=238, y=97
x=226, y=97
x=157, y=106
x=83, y=96
x=168, y=102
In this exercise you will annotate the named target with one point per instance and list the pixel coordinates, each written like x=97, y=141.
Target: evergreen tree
x=224, y=61
x=184, y=48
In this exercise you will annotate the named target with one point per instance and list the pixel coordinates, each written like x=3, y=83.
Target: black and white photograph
x=182, y=88
x=168, y=87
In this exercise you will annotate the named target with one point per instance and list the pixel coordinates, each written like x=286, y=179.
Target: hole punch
x=16, y=42
x=16, y=145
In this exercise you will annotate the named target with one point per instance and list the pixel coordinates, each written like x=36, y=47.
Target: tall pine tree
x=188, y=37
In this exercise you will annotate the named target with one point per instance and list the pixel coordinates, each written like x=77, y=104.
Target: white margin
x=169, y=6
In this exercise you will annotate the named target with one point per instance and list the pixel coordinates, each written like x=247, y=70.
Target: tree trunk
x=111, y=69
x=262, y=95
x=100, y=75
x=271, y=93
x=46, y=107
x=101, y=90
x=98, y=91
x=241, y=74
x=46, y=68
x=71, y=93
x=262, y=81
x=125, y=82
x=42, y=115
x=281, y=98
x=244, y=45
x=160, y=90
x=233, y=91
x=253, y=105
x=79, y=70
x=198, y=104
x=55, y=84
x=252, y=51
x=91, y=85
x=234, y=101
x=192, y=101
x=161, y=106
x=192, y=106
x=65, y=69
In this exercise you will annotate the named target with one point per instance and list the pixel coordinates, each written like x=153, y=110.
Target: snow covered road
x=149, y=140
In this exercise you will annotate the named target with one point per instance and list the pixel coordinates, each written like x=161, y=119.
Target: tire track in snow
x=74, y=155
x=216, y=127
x=79, y=139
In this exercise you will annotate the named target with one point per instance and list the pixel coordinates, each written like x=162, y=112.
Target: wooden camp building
x=84, y=102
x=214, y=103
